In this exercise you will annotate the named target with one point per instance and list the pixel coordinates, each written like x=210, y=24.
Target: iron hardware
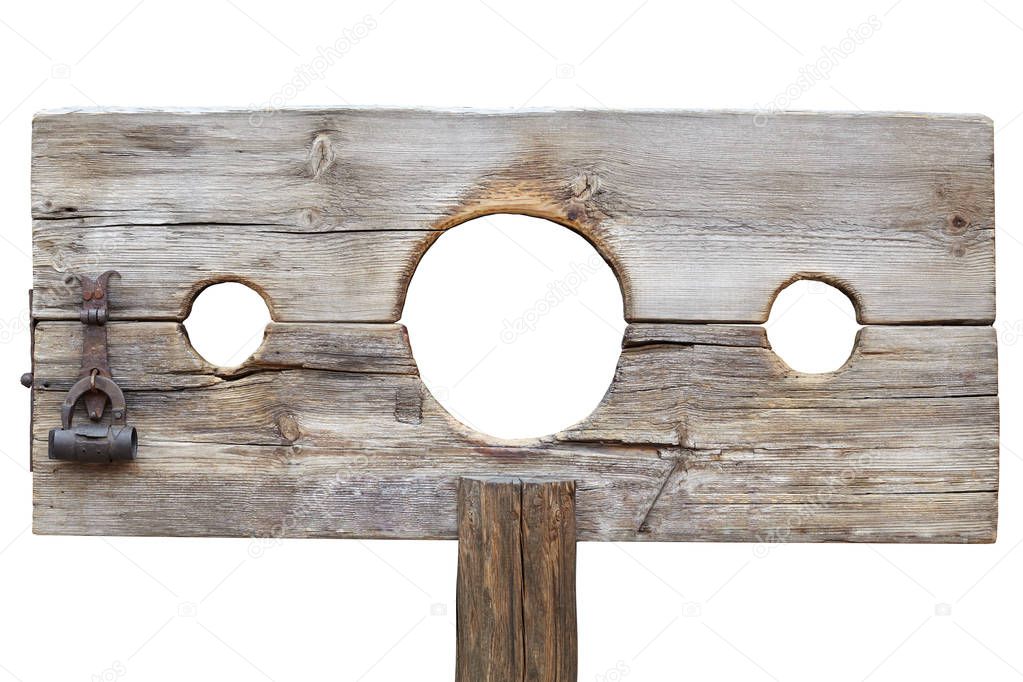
x=94, y=442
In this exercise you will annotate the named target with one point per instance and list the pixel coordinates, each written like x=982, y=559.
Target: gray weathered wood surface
x=704, y=434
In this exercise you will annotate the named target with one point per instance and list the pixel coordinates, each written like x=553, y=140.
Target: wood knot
x=321, y=155
x=584, y=186
x=957, y=224
x=310, y=217
x=288, y=427
x=581, y=205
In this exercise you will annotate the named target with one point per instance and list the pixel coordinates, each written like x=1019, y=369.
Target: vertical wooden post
x=548, y=571
x=490, y=637
x=516, y=581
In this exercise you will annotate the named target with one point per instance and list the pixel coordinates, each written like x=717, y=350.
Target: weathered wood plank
x=269, y=492
x=720, y=385
x=163, y=268
x=254, y=491
x=516, y=619
x=704, y=215
x=158, y=355
x=731, y=360
x=704, y=434
x=491, y=639
x=548, y=578
x=702, y=395
x=963, y=517
x=904, y=431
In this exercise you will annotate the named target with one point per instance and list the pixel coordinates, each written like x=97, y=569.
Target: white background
x=162, y=609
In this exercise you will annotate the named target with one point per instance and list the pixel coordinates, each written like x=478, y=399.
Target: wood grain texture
x=317, y=443
x=490, y=637
x=703, y=215
x=516, y=614
x=548, y=581
x=704, y=434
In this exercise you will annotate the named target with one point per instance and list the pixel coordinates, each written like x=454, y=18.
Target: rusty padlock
x=94, y=442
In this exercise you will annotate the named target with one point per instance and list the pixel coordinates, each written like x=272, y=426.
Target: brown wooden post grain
x=548, y=568
x=490, y=646
x=516, y=616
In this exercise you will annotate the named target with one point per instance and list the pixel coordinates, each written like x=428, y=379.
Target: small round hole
x=226, y=323
x=516, y=325
x=812, y=326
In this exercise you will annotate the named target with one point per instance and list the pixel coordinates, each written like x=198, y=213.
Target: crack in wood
x=643, y=526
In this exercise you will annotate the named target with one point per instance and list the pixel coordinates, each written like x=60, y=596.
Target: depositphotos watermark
x=619, y=672
x=818, y=70
x=14, y=327
x=803, y=515
x=115, y=671
x=1009, y=331
x=558, y=291
x=309, y=506
x=315, y=69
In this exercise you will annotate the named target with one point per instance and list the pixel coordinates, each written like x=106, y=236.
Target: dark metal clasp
x=94, y=442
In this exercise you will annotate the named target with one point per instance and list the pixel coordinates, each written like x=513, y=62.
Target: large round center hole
x=812, y=327
x=516, y=325
x=226, y=323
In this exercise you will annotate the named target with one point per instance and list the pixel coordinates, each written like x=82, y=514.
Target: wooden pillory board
x=704, y=434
